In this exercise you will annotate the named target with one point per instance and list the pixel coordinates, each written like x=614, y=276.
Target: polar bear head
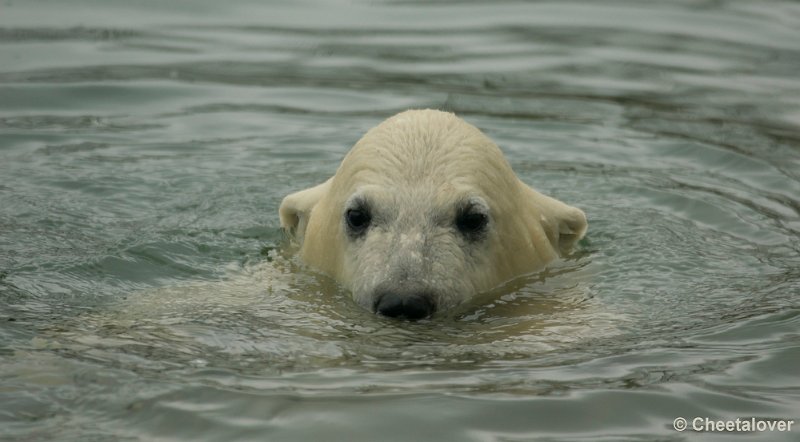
x=423, y=213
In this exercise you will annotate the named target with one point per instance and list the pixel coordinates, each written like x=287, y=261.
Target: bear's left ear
x=296, y=209
x=563, y=224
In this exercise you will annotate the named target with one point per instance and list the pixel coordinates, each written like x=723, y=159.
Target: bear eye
x=358, y=220
x=471, y=223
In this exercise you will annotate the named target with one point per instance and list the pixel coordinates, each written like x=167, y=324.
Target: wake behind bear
x=423, y=213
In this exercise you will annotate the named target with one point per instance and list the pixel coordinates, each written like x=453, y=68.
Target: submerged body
x=423, y=213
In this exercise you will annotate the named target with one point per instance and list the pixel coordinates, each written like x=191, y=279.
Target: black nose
x=413, y=307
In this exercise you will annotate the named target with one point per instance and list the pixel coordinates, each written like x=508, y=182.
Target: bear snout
x=411, y=306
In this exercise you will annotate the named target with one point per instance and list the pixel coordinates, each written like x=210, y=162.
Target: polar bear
x=423, y=213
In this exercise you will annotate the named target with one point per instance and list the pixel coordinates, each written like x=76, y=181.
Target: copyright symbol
x=679, y=423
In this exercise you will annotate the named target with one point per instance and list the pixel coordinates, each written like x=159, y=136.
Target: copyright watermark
x=740, y=425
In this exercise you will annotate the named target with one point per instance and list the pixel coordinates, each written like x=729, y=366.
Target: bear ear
x=296, y=208
x=563, y=224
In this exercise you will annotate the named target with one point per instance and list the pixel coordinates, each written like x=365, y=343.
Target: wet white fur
x=415, y=169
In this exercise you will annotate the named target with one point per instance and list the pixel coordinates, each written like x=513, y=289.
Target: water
x=144, y=149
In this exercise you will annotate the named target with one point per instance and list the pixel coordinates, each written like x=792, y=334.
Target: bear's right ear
x=296, y=209
x=563, y=224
